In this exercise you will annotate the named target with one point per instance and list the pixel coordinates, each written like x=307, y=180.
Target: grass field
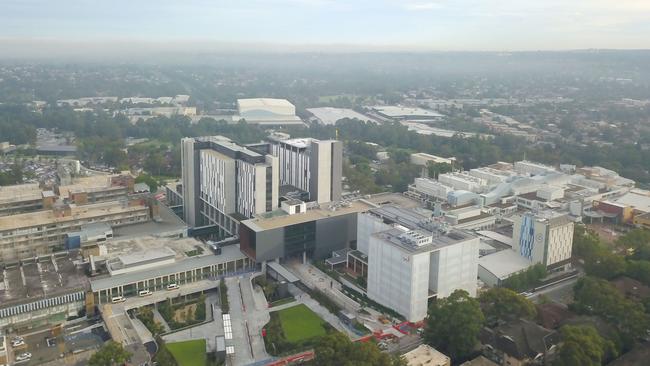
x=188, y=353
x=299, y=323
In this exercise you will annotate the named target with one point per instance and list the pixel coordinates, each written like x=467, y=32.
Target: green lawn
x=300, y=323
x=188, y=353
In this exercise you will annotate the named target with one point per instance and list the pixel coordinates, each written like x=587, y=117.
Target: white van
x=117, y=299
x=144, y=293
x=172, y=286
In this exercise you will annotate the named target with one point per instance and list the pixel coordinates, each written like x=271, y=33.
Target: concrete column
x=304, y=257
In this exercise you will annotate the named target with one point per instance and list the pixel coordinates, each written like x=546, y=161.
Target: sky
x=481, y=25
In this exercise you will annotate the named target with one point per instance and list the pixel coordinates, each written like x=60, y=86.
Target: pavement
x=207, y=331
x=312, y=277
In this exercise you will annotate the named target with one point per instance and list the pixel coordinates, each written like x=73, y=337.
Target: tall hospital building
x=224, y=183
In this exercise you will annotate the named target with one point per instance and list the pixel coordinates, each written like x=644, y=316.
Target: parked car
x=144, y=293
x=117, y=299
x=23, y=356
x=173, y=286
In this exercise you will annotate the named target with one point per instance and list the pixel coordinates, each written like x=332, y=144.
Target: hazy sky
x=410, y=24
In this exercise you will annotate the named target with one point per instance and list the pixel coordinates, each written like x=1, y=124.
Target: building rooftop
x=143, y=247
x=504, y=263
x=44, y=277
x=280, y=218
x=397, y=111
x=90, y=183
x=37, y=218
x=425, y=355
x=135, y=259
x=496, y=236
x=20, y=192
x=263, y=102
x=637, y=199
x=420, y=241
x=228, y=254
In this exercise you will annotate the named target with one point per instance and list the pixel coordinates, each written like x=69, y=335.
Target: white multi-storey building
x=543, y=237
x=412, y=259
x=430, y=189
x=311, y=165
x=531, y=168
x=463, y=181
x=224, y=182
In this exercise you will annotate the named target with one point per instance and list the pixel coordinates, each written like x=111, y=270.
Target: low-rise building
x=313, y=231
x=424, y=159
x=519, y=343
x=43, y=232
x=425, y=355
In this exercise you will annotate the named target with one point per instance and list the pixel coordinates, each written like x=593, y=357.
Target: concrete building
x=424, y=159
x=532, y=168
x=41, y=291
x=416, y=259
x=295, y=232
x=545, y=237
x=43, y=232
x=22, y=198
x=224, y=183
x=153, y=270
x=96, y=188
x=399, y=113
x=311, y=165
x=429, y=191
x=425, y=355
x=267, y=111
x=463, y=181
x=497, y=267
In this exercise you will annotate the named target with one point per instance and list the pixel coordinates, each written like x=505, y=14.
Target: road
x=560, y=292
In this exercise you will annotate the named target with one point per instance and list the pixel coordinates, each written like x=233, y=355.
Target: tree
x=599, y=297
x=149, y=180
x=504, y=304
x=435, y=169
x=453, y=324
x=582, y=346
x=526, y=279
x=111, y=353
x=336, y=349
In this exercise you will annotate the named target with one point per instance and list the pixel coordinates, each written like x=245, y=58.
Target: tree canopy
x=336, y=349
x=503, y=304
x=111, y=353
x=598, y=297
x=582, y=346
x=453, y=324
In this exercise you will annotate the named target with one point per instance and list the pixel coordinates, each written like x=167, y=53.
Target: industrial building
x=267, y=111
x=224, y=183
x=302, y=230
x=42, y=232
x=413, y=258
x=398, y=113
x=424, y=159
